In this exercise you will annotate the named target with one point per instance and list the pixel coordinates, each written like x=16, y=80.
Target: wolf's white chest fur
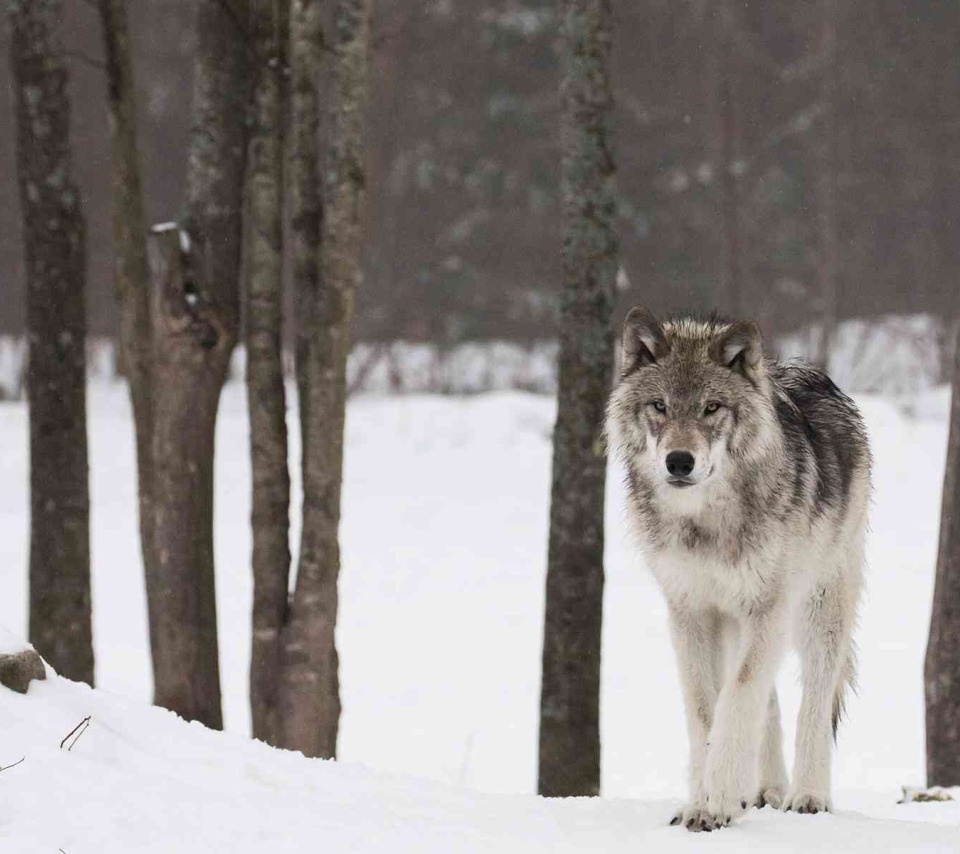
x=701, y=559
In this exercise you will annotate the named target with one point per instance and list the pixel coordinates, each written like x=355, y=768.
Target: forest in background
x=464, y=209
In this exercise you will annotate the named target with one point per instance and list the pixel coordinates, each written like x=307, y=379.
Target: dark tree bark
x=54, y=240
x=570, y=690
x=265, y=391
x=195, y=317
x=726, y=148
x=310, y=695
x=132, y=274
x=942, y=665
x=827, y=172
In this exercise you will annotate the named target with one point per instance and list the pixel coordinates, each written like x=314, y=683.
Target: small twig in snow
x=15, y=764
x=82, y=726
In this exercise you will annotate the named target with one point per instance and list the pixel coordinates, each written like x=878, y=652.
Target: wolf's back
x=823, y=428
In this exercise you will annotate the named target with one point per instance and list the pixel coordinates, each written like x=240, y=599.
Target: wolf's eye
x=659, y=405
x=711, y=407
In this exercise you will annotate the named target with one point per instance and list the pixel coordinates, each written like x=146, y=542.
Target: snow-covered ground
x=444, y=538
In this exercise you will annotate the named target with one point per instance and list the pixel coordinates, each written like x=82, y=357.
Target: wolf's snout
x=680, y=463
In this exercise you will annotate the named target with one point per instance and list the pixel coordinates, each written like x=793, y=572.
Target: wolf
x=748, y=485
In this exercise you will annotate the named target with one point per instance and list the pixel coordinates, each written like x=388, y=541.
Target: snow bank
x=140, y=779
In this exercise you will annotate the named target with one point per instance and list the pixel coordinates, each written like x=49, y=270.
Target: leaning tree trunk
x=53, y=231
x=132, y=273
x=310, y=695
x=195, y=316
x=827, y=168
x=942, y=666
x=265, y=392
x=570, y=690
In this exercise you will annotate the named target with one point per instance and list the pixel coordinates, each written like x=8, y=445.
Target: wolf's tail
x=847, y=681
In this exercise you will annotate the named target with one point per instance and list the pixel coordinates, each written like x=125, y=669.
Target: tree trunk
x=942, y=665
x=132, y=273
x=310, y=691
x=570, y=690
x=53, y=232
x=726, y=152
x=265, y=391
x=195, y=315
x=827, y=156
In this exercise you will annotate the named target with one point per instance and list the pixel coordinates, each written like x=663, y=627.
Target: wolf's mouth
x=680, y=482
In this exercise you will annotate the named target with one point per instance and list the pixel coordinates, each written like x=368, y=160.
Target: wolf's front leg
x=696, y=640
x=730, y=774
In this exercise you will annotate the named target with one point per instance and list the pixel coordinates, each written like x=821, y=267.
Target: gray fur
x=760, y=543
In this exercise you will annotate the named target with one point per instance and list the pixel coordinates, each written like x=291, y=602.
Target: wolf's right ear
x=643, y=340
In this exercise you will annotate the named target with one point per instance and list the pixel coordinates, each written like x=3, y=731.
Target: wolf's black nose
x=680, y=463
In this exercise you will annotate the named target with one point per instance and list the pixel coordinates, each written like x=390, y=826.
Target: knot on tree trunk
x=19, y=670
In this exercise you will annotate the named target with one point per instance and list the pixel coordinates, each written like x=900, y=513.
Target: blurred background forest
x=464, y=216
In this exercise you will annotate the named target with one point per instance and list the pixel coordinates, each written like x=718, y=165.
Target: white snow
x=444, y=543
x=11, y=644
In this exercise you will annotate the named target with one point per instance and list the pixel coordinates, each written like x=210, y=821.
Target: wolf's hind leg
x=697, y=643
x=773, y=772
x=825, y=647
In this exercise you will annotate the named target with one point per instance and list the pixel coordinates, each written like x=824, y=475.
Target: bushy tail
x=847, y=680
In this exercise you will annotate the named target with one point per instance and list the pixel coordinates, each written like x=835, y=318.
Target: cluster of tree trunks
x=181, y=321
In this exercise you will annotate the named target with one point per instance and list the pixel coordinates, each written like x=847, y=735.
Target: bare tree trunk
x=725, y=144
x=310, y=691
x=570, y=690
x=195, y=317
x=265, y=391
x=53, y=232
x=942, y=665
x=306, y=212
x=827, y=167
x=132, y=272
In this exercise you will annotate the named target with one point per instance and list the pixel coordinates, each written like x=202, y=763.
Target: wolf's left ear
x=740, y=348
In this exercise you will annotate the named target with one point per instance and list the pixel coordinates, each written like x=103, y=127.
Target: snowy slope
x=140, y=780
x=444, y=540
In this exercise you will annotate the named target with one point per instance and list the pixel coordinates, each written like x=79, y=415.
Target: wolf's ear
x=740, y=348
x=643, y=340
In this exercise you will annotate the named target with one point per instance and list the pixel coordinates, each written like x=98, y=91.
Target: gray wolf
x=748, y=483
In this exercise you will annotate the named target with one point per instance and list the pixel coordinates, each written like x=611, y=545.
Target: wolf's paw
x=769, y=796
x=803, y=802
x=725, y=809
x=696, y=819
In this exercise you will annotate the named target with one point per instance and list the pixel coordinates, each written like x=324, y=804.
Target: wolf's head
x=692, y=394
